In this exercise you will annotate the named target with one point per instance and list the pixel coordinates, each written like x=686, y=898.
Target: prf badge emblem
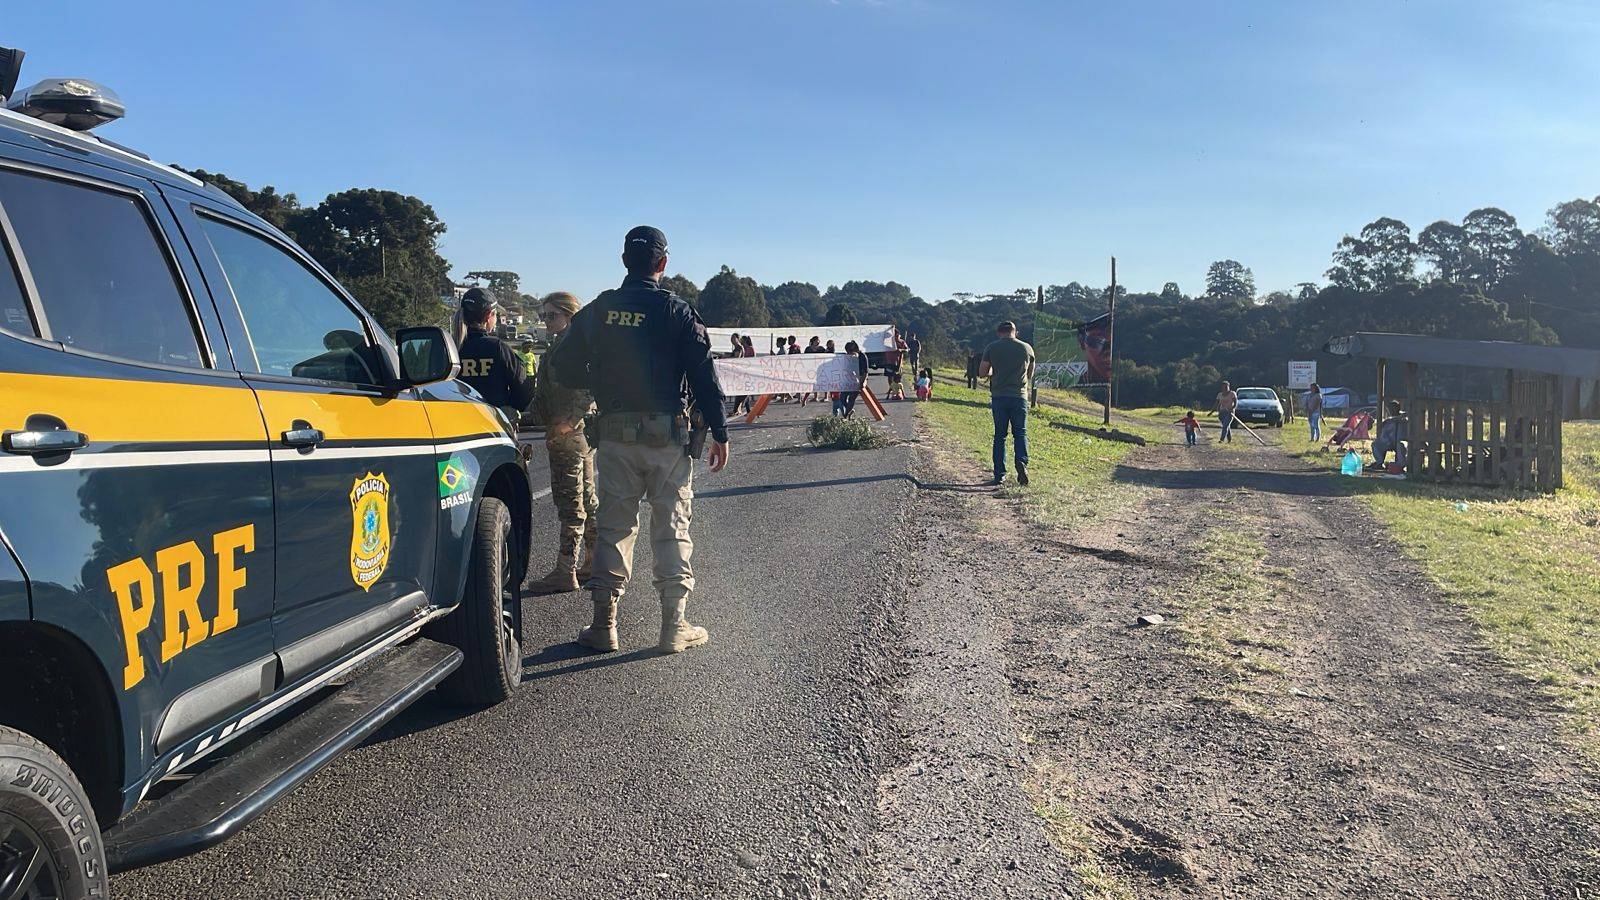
x=369, y=537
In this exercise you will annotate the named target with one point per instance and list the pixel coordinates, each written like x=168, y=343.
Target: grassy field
x=1070, y=470
x=1526, y=566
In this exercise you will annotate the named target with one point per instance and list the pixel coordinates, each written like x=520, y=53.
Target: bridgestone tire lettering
x=43, y=792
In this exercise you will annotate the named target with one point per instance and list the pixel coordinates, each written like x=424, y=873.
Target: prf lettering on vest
x=623, y=317
x=474, y=367
x=182, y=568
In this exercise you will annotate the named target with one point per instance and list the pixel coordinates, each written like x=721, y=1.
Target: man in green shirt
x=1008, y=364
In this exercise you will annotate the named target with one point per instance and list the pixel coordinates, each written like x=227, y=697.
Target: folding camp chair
x=1356, y=428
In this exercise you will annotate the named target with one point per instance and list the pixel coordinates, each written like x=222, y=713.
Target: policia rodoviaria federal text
x=637, y=348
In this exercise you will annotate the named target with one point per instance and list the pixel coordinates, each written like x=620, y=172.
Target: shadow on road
x=1305, y=484
x=979, y=487
x=582, y=658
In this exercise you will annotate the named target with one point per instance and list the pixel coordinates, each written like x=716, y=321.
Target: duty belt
x=650, y=429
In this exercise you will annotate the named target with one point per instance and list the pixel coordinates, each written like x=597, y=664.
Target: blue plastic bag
x=1351, y=464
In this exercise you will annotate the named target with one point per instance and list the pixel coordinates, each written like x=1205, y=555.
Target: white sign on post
x=1302, y=373
x=797, y=373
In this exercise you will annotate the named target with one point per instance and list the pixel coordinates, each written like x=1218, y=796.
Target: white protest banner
x=1302, y=373
x=794, y=373
x=871, y=338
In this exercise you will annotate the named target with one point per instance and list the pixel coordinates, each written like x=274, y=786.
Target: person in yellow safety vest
x=530, y=361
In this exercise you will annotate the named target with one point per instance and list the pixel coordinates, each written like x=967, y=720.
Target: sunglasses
x=548, y=316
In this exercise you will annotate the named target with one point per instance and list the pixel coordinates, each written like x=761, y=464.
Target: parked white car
x=1260, y=404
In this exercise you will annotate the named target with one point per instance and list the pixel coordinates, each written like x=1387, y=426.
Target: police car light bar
x=75, y=103
x=10, y=68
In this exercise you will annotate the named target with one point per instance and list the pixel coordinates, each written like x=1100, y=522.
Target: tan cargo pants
x=572, y=489
x=627, y=474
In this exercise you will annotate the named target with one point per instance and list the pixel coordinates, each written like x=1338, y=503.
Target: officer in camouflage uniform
x=637, y=348
x=563, y=410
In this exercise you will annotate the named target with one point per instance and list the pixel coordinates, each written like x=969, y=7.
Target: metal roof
x=1573, y=361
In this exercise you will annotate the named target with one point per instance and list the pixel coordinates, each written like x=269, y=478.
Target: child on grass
x=1191, y=428
x=925, y=384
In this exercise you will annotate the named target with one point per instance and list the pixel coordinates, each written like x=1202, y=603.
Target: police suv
x=227, y=500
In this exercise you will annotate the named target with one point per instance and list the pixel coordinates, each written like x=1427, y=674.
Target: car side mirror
x=427, y=355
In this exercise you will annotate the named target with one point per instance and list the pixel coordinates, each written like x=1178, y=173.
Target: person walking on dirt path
x=1008, y=364
x=1227, y=402
x=563, y=411
x=1191, y=428
x=974, y=360
x=645, y=355
x=1313, y=405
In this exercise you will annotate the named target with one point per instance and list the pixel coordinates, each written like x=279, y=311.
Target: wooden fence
x=1515, y=444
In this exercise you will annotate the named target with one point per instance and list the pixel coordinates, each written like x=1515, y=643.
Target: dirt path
x=1279, y=735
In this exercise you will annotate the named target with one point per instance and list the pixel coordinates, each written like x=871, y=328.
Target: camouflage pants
x=572, y=489
x=663, y=476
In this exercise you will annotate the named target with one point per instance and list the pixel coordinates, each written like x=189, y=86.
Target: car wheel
x=49, y=840
x=487, y=626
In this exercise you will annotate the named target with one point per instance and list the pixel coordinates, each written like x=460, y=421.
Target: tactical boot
x=602, y=634
x=677, y=634
x=560, y=580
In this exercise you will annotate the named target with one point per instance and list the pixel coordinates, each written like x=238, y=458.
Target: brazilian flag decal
x=453, y=477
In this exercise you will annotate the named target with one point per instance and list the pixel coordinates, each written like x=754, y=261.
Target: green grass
x=1526, y=566
x=1070, y=471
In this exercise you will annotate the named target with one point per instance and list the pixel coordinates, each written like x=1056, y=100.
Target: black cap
x=477, y=303
x=644, y=244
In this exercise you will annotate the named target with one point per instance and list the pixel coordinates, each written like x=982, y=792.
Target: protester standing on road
x=844, y=402
x=1008, y=363
x=1227, y=402
x=914, y=353
x=563, y=411
x=1313, y=405
x=643, y=352
x=489, y=364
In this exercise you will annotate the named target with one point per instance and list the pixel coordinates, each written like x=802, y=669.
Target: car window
x=14, y=315
x=1256, y=394
x=298, y=326
x=105, y=283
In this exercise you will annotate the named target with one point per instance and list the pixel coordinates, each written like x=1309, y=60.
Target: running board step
x=217, y=803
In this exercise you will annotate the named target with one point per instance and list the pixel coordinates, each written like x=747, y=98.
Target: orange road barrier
x=873, y=406
x=757, y=408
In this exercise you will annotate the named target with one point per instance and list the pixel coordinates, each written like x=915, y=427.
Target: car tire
x=487, y=625
x=49, y=839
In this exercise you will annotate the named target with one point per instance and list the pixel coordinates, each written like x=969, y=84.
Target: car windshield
x=1257, y=394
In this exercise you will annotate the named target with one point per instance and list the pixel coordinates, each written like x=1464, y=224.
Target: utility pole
x=1111, y=339
x=1033, y=386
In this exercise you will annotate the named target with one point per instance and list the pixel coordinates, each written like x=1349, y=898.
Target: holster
x=696, y=444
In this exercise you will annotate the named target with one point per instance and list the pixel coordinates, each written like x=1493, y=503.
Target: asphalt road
x=743, y=768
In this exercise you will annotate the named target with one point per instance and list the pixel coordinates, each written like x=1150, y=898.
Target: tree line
x=1483, y=278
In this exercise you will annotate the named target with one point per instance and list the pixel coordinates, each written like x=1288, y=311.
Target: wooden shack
x=1496, y=420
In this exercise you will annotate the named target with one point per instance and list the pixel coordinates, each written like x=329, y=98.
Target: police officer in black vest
x=643, y=353
x=489, y=364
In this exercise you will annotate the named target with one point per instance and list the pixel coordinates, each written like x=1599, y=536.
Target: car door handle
x=302, y=435
x=42, y=435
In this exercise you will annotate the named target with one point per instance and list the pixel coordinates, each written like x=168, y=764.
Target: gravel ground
x=743, y=769
x=1304, y=737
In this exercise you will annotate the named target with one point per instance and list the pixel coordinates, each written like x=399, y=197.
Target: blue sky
x=952, y=146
